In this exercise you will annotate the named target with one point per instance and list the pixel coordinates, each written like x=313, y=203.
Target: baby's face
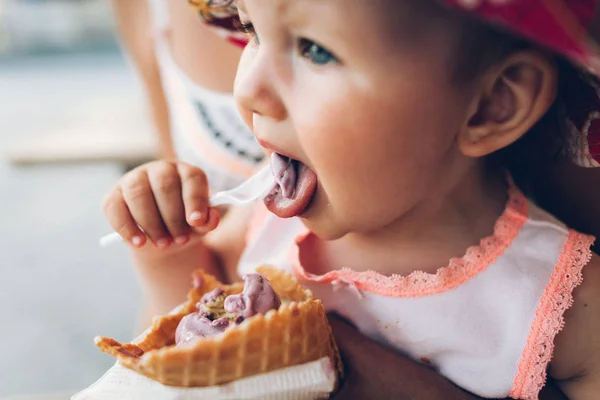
x=360, y=92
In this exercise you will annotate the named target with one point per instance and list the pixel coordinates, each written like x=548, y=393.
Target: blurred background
x=71, y=122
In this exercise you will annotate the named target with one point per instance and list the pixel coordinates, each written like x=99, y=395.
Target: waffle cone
x=297, y=333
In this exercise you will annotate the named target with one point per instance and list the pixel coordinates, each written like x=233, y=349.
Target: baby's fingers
x=138, y=194
x=166, y=185
x=194, y=187
x=120, y=218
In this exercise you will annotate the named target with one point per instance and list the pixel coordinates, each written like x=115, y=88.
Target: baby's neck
x=425, y=239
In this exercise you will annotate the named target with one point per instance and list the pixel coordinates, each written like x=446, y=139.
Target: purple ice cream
x=211, y=296
x=216, y=312
x=258, y=297
x=284, y=174
x=196, y=325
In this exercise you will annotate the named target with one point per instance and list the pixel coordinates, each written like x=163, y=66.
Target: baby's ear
x=512, y=98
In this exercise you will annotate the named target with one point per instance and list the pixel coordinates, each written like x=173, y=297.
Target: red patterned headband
x=560, y=25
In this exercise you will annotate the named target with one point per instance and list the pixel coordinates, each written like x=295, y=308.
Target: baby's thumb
x=212, y=221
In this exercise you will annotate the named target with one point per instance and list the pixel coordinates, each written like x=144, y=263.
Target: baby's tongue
x=295, y=185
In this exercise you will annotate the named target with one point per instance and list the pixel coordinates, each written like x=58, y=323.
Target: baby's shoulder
x=577, y=347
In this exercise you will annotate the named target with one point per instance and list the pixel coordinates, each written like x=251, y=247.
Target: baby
x=403, y=136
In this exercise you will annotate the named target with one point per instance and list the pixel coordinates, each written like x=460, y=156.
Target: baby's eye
x=315, y=53
x=248, y=28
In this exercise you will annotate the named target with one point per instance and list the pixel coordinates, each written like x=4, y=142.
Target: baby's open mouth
x=295, y=186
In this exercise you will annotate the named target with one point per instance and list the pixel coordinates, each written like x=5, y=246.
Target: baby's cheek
x=373, y=198
x=363, y=201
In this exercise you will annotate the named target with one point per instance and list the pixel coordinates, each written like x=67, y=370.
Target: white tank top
x=486, y=321
x=206, y=128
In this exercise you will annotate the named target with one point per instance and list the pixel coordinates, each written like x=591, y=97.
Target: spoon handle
x=110, y=239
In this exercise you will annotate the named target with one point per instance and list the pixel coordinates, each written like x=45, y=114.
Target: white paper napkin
x=311, y=381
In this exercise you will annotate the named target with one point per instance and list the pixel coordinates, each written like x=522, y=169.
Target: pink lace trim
x=420, y=284
x=549, y=317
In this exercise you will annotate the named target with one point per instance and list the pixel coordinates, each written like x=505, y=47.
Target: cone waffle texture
x=296, y=333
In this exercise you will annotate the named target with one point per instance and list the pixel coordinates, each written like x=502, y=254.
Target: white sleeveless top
x=206, y=128
x=487, y=321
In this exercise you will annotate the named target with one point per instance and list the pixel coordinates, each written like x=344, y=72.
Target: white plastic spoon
x=256, y=187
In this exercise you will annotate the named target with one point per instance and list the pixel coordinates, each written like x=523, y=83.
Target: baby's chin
x=327, y=222
x=322, y=222
x=324, y=229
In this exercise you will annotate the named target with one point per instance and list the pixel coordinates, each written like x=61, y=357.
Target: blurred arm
x=135, y=28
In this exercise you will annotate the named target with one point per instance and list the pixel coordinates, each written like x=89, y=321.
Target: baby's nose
x=255, y=90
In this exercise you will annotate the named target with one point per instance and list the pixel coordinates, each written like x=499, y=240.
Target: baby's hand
x=163, y=201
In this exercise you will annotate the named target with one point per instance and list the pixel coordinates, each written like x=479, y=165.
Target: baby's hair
x=549, y=140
